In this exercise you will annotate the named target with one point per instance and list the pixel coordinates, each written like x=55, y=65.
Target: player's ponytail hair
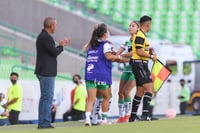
x=137, y=23
x=98, y=32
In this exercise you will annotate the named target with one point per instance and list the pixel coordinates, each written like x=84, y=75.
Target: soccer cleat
x=145, y=118
x=120, y=120
x=105, y=122
x=45, y=127
x=138, y=118
x=126, y=118
x=134, y=119
x=96, y=124
x=154, y=118
x=87, y=123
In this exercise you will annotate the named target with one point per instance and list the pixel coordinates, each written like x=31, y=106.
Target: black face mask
x=182, y=84
x=13, y=81
x=76, y=82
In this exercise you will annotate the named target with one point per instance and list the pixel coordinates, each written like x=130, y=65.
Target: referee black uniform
x=140, y=70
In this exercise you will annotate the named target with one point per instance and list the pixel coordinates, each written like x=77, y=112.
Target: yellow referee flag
x=159, y=74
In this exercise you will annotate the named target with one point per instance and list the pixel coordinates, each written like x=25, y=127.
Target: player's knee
x=149, y=89
x=126, y=94
x=120, y=94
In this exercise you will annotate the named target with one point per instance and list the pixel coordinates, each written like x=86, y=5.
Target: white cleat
x=105, y=122
x=87, y=123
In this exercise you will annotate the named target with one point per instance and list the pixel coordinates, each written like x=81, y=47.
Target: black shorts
x=141, y=72
x=13, y=117
x=73, y=115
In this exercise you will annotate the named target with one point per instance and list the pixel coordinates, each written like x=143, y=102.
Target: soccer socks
x=87, y=116
x=104, y=117
x=127, y=106
x=146, y=102
x=121, y=108
x=96, y=109
x=135, y=106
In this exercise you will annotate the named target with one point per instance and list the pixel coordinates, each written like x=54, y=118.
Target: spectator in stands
x=14, y=103
x=184, y=97
x=46, y=69
x=78, y=101
x=3, y=112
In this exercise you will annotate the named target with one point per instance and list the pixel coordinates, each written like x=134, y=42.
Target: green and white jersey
x=127, y=48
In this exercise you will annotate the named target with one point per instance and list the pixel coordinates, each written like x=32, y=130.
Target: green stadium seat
x=117, y=17
x=133, y=15
x=198, y=7
x=126, y=23
x=158, y=5
x=195, y=6
x=104, y=7
x=148, y=5
x=176, y=19
x=7, y=65
x=188, y=39
x=118, y=5
x=55, y=2
x=153, y=35
x=92, y=4
x=183, y=37
x=81, y=1
x=130, y=5
x=174, y=5
x=188, y=5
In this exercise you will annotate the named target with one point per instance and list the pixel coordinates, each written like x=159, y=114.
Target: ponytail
x=97, y=33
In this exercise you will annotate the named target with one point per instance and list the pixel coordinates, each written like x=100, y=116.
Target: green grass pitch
x=186, y=124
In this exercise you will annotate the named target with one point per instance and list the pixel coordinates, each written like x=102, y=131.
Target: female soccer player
x=127, y=82
x=98, y=70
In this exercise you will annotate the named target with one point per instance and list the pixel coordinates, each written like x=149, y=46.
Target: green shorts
x=97, y=85
x=127, y=76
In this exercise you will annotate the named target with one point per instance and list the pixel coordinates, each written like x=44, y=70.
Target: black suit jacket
x=47, y=52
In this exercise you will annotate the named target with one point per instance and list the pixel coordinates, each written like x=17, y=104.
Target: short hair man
x=46, y=69
x=139, y=62
x=78, y=101
x=184, y=97
x=14, y=102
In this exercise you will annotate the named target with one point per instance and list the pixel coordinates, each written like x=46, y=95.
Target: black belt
x=143, y=61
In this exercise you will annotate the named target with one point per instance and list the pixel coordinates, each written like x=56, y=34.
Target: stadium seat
x=130, y=5
x=175, y=19
x=126, y=23
x=117, y=17
x=104, y=7
x=81, y=1
x=92, y=4
x=133, y=15
x=118, y=5
x=55, y=2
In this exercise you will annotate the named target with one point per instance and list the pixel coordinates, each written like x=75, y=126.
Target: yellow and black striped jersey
x=140, y=41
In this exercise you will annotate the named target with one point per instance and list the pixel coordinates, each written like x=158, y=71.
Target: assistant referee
x=139, y=62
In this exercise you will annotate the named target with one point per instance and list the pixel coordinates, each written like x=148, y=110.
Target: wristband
x=119, y=57
x=151, y=56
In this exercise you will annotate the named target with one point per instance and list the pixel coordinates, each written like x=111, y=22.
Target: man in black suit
x=46, y=69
